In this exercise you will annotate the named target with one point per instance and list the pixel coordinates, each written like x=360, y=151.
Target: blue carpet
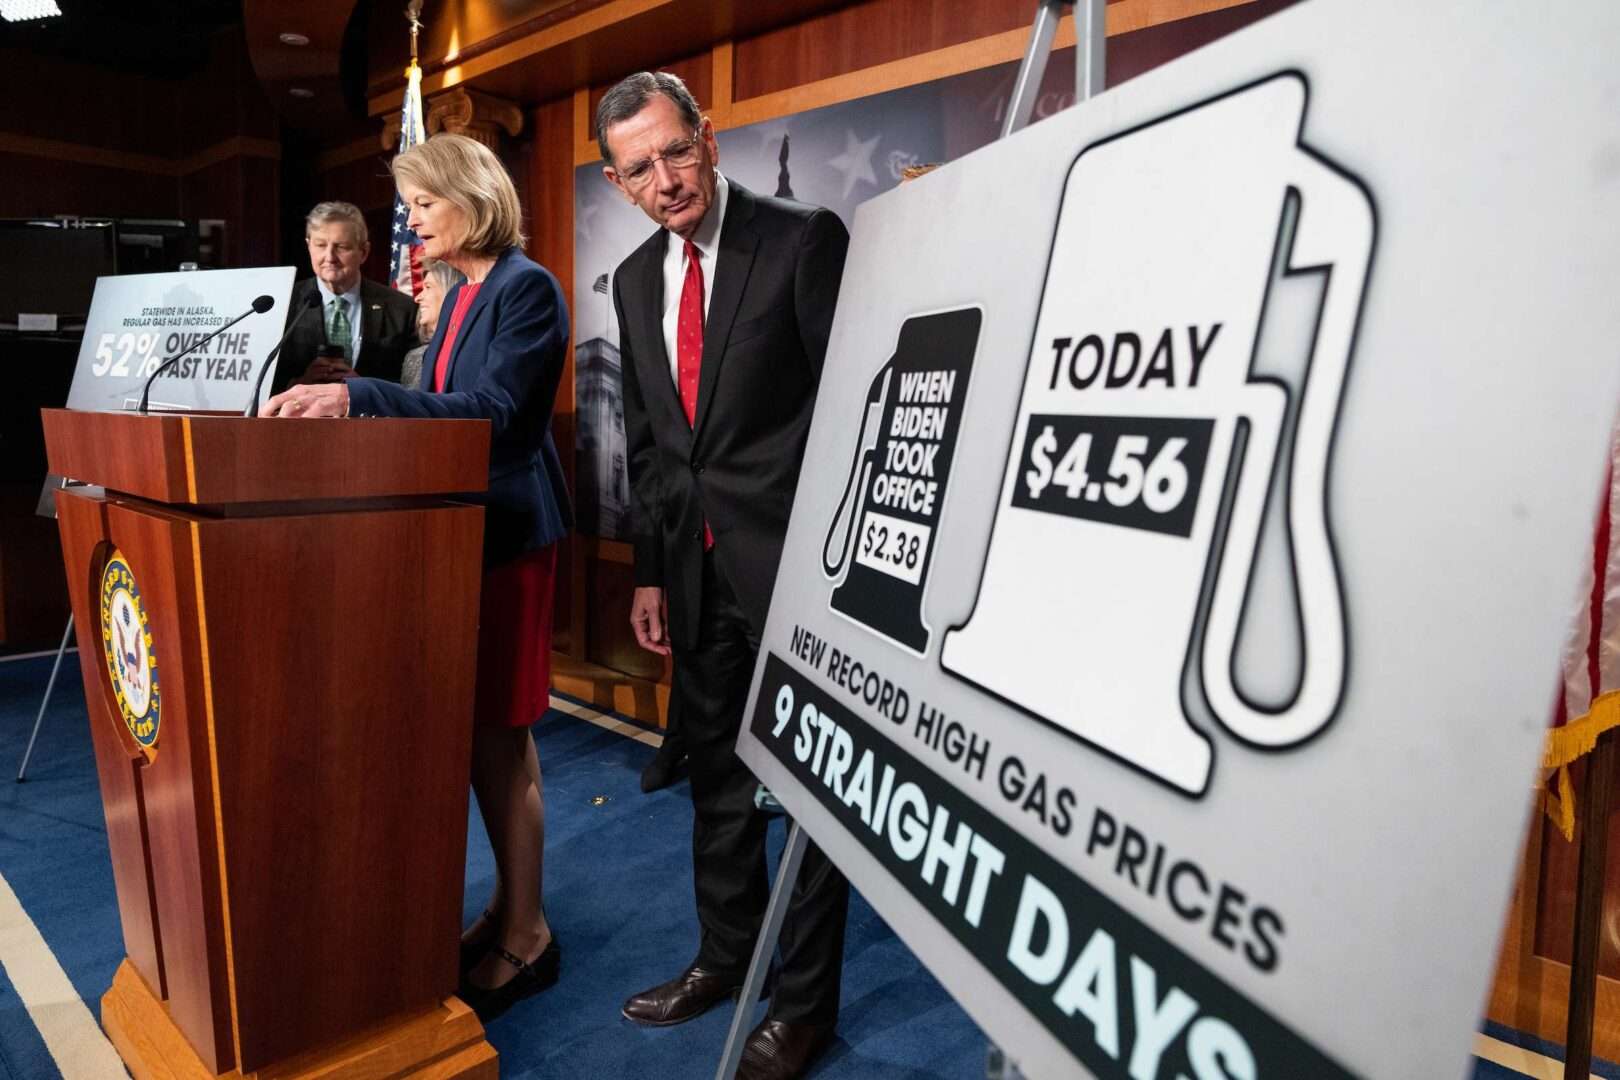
x=53, y=849
x=618, y=891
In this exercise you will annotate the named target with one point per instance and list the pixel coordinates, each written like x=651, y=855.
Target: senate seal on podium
x=126, y=640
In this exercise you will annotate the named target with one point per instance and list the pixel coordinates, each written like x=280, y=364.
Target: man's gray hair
x=632, y=93
x=327, y=212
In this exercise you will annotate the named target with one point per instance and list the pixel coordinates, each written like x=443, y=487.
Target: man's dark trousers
x=728, y=832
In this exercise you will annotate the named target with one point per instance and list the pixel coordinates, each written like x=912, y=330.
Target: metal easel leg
x=1090, y=67
x=61, y=651
x=775, y=912
x=1033, y=68
x=1090, y=53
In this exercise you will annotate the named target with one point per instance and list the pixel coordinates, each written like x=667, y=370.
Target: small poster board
x=138, y=320
x=1198, y=489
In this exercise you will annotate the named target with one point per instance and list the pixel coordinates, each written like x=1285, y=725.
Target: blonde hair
x=469, y=175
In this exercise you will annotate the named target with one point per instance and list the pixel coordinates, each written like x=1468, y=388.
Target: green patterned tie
x=337, y=329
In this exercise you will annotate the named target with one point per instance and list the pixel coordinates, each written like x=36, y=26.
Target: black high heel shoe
x=533, y=976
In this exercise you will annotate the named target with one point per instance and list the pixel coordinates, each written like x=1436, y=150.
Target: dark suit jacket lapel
x=371, y=318
x=480, y=304
x=651, y=274
x=732, y=267
x=308, y=287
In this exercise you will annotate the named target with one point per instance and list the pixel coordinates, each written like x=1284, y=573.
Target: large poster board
x=1196, y=496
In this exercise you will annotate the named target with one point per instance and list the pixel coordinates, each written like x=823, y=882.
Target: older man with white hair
x=362, y=328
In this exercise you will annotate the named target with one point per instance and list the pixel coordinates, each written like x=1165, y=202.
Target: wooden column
x=474, y=114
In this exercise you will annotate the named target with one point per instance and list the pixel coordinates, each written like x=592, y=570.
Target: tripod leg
x=67, y=635
x=1027, y=86
x=1090, y=52
x=775, y=912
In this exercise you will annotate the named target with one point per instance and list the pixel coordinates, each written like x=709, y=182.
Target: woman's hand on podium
x=301, y=402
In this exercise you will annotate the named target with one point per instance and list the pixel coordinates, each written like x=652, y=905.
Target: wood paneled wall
x=91, y=142
x=356, y=173
x=865, y=36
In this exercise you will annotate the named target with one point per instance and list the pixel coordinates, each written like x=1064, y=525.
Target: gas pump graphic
x=882, y=535
x=1145, y=451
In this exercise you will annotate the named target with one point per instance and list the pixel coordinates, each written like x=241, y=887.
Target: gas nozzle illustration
x=883, y=533
x=836, y=551
x=1146, y=450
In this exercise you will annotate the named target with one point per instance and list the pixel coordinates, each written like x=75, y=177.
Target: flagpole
x=404, y=263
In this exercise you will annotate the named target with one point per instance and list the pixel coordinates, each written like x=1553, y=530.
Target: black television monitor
x=155, y=247
x=50, y=267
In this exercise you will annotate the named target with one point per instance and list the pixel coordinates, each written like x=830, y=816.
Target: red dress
x=515, y=605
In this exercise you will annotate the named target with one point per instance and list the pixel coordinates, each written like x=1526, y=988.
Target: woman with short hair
x=438, y=278
x=497, y=355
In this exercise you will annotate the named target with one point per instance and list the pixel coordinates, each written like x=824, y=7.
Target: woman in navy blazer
x=497, y=355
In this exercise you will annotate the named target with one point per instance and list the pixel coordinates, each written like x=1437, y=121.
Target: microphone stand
x=261, y=305
x=311, y=300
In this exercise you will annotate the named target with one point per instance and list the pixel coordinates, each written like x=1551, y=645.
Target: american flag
x=1589, y=701
x=405, y=261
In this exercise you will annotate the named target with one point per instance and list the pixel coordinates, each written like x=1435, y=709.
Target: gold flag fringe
x=1566, y=745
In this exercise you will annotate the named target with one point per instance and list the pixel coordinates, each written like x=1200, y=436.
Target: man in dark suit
x=724, y=314
x=374, y=326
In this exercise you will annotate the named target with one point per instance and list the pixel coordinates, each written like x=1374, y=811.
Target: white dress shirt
x=707, y=241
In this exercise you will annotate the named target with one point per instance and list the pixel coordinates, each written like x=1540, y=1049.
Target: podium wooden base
x=446, y=1043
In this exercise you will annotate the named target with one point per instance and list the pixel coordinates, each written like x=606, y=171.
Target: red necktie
x=689, y=347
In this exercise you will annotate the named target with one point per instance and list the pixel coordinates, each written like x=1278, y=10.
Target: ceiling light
x=24, y=10
x=301, y=92
x=290, y=38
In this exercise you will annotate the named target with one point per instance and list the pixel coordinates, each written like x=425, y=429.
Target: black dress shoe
x=778, y=1050
x=532, y=977
x=691, y=993
x=664, y=769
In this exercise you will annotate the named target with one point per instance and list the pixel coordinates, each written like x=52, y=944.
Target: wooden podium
x=277, y=629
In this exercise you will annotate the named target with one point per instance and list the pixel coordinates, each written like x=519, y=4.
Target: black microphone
x=312, y=299
x=260, y=306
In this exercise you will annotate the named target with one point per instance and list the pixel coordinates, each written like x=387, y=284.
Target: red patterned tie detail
x=689, y=347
